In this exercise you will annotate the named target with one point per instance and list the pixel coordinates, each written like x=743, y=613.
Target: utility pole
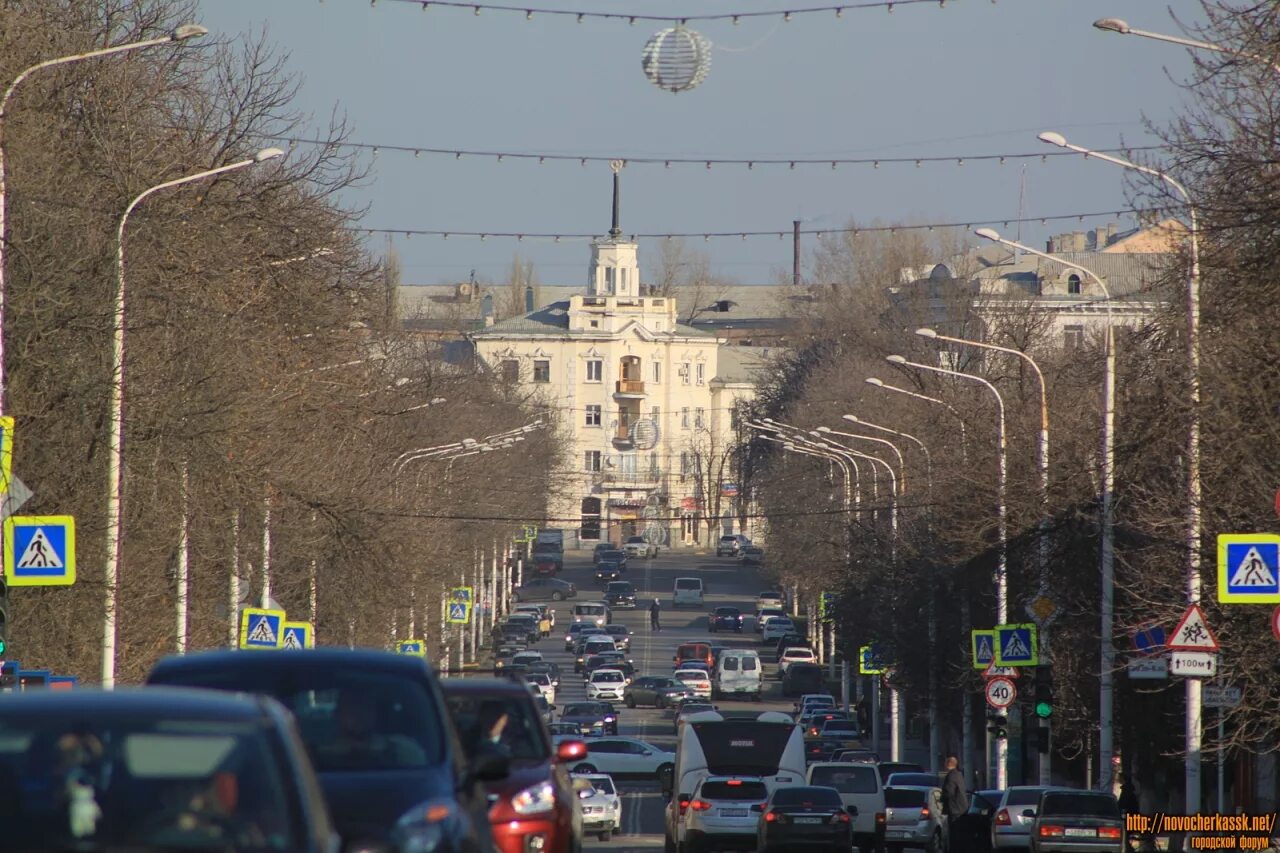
x=795, y=252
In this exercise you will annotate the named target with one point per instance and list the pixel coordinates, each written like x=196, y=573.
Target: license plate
x=808, y=820
x=1080, y=832
x=895, y=833
x=733, y=813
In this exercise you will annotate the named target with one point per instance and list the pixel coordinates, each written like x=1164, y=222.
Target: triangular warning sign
x=1252, y=571
x=984, y=648
x=1192, y=633
x=262, y=633
x=39, y=554
x=291, y=639
x=1015, y=649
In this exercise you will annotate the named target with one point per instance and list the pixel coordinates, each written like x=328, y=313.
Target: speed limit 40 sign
x=1001, y=693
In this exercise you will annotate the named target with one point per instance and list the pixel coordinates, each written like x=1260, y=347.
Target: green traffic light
x=1044, y=710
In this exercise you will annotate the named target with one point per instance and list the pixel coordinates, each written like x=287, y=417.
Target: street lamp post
x=181, y=34
x=1116, y=25
x=878, y=383
x=115, y=447
x=902, y=465
x=1002, y=560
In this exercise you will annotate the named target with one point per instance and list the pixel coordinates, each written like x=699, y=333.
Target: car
x=693, y=664
x=347, y=700
x=547, y=564
x=537, y=611
x=725, y=619
x=592, y=718
x=559, y=728
x=812, y=721
x=1074, y=821
x=906, y=779
x=814, y=700
x=610, y=660
x=795, y=654
x=799, y=816
x=971, y=831
x=541, y=682
x=572, y=634
x=606, y=684
x=600, y=548
x=535, y=805
x=688, y=709
x=913, y=818
x=158, y=769
x=687, y=591
x=609, y=570
x=778, y=626
x=738, y=673
x=613, y=555
x=1010, y=821
x=687, y=652
x=593, y=644
x=600, y=803
x=624, y=757
x=544, y=589
x=720, y=813
x=844, y=733
x=771, y=600
x=859, y=756
x=593, y=613
x=512, y=634
x=620, y=594
x=802, y=677
x=526, y=657
x=862, y=793
x=550, y=668
x=656, y=690
x=527, y=622
x=763, y=617
x=638, y=546
x=621, y=636
x=788, y=641
x=697, y=680
x=888, y=768
x=729, y=545
x=751, y=556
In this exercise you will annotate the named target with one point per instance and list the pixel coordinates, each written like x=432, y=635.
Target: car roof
x=327, y=659
x=912, y=788
x=180, y=703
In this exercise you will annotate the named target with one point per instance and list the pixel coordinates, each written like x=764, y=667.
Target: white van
x=687, y=591
x=592, y=612
x=738, y=673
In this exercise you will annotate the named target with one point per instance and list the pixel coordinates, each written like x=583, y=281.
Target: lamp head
x=267, y=154
x=188, y=31
x=926, y=333
x=988, y=234
x=469, y=442
x=871, y=380
x=1115, y=25
x=895, y=359
x=823, y=429
x=853, y=419
x=435, y=401
x=1053, y=138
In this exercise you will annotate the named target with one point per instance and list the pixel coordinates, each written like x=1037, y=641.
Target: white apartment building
x=645, y=402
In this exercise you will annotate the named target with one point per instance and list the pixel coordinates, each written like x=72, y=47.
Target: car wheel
x=935, y=844
x=668, y=846
x=631, y=702
x=585, y=768
x=664, y=770
x=557, y=596
x=660, y=703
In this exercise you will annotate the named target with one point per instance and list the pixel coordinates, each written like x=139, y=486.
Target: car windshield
x=688, y=583
x=509, y=722
x=142, y=782
x=602, y=784
x=797, y=796
x=539, y=678
x=903, y=798
x=583, y=709
x=853, y=779
x=619, y=588
x=695, y=708
x=607, y=676
x=924, y=780
x=350, y=720
x=735, y=789
x=1079, y=804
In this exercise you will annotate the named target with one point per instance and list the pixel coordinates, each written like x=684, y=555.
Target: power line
x=734, y=17
x=705, y=162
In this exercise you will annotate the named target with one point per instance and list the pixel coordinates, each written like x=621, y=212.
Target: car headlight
x=422, y=828
x=535, y=799
x=610, y=719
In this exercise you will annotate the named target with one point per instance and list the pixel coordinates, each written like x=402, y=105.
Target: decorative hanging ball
x=676, y=59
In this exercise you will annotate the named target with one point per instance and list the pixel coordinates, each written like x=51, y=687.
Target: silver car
x=720, y=813
x=913, y=818
x=1014, y=815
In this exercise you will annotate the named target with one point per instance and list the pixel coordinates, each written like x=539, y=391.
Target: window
x=657, y=373
x=594, y=414
x=1073, y=284
x=684, y=463
x=684, y=373
x=510, y=370
x=656, y=414
x=591, y=460
x=684, y=418
x=595, y=370
x=702, y=373
x=541, y=370
x=699, y=418
x=1072, y=336
x=595, y=324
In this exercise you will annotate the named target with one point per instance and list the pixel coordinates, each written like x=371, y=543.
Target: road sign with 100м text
x=1193, y=664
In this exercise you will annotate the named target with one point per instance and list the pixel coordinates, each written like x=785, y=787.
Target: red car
x=534, y=807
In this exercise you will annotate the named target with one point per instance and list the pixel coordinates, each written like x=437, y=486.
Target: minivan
x=738, y=673
x=694, y=652
x=687, y=591
x=594, y=612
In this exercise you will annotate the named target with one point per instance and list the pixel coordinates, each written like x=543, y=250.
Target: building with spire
x=645, y=402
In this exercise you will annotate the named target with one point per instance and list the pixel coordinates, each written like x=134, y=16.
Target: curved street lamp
x=1118, y=25
x=884, y=386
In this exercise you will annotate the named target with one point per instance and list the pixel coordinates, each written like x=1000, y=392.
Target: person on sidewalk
x=654, y=612
x=955, y=802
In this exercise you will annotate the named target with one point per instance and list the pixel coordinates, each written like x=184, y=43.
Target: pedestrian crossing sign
x=1015, y=645
x=261, y=629
x=298, y=635
x=983, y=645
x=1249, y=568
x=40, y=550
x=459, y=612
x=412, y=647
x=462, y=593
x=871, y=660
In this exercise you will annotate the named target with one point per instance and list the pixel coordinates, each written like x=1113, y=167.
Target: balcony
x=628, y=389
x=650, y=478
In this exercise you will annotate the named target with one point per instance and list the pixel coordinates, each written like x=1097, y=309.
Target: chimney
x=528, y=299
x=615, y=231
x=486, y=309
x=1048, y=246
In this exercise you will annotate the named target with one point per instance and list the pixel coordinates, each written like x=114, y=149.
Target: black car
x=971, y=831
x=609, y=570
x=544, y=589
x=160, y=769
x=801, y=678
x=551, y=669
x=725, y=619
x=601, y=548
x=591, y=718
x=614, y=555
x=621, y=635
x=804, y=816
x=378, y=732
x=620, y=594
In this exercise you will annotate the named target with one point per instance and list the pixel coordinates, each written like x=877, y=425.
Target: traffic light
x=1044, y=692
x=1043, y=735
x=4, y=617
x=998, y=725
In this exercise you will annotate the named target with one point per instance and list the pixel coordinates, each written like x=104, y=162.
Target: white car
x=763, y=617
x=777, y=628
x=697, y=680
x=794, y=654
x=600, y=804
x=541, y=682
x=638, y=546
x=624, y=756
x=770, y=601
x=720, y=813
x=606, y=685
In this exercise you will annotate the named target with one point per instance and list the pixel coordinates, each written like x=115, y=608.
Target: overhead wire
x=632, y=17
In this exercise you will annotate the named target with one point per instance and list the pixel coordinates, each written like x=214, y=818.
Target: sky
x=971, y=77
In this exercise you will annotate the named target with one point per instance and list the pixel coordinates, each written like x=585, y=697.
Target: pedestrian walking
x=955, y=802
x=654, y=612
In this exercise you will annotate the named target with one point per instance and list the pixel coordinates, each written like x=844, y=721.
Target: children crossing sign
x=40, y=550
x=1015, y=645
x=298, y=635
x=982, y=644
x=1249, y=568
x=261, y=629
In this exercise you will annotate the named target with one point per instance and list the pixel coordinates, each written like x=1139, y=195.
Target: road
x=726, y=583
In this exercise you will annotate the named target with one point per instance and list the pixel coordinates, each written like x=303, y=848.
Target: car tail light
x=924, y=814
x=879, y=818
x=1108, y=832
x=699, y=805
x=840, y=817
x=733, y=783
x=1002, y=818
x=1050, y=831
x=774, y=817
x=684, y=803
x=813, y=730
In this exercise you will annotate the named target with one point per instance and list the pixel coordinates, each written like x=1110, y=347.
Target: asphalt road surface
x=726, y=583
